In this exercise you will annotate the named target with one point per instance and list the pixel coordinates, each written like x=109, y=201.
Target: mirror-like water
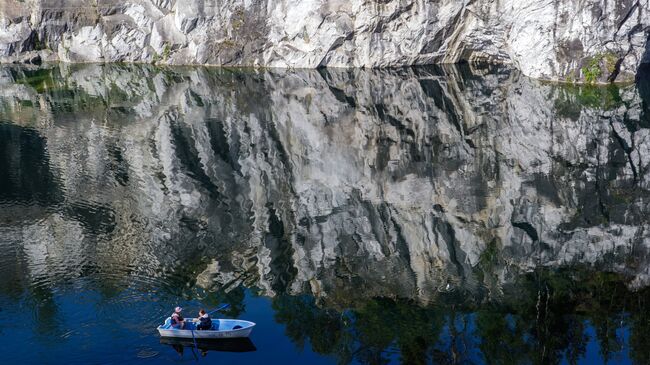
x=444, y=215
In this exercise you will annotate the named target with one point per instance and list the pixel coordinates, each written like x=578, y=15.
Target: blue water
x=331, y=207
x=88, y=330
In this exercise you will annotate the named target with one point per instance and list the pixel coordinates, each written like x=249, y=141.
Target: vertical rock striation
x=573, y=40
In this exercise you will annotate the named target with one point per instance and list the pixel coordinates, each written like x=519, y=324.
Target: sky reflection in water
x=445, y=215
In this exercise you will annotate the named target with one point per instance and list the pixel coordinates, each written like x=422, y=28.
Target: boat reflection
x=204, y=346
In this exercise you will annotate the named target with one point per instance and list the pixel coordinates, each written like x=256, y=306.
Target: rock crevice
x=560, y=40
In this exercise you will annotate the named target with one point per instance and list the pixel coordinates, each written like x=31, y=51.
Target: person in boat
x=205, y=322
x=177, y=318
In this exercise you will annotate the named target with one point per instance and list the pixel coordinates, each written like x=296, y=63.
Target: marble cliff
x=571, y=40
x=300, y=181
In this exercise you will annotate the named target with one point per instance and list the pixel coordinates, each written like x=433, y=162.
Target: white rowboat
x=221, y=328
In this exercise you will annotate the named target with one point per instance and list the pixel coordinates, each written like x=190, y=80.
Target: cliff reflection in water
x=507, y=217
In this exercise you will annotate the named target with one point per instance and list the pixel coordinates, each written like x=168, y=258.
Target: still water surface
x=425, y=215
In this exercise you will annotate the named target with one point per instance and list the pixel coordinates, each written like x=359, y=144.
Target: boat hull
x=205, y=334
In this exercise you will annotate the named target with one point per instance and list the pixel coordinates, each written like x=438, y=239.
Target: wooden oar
x=220, y=308
x=195, y=346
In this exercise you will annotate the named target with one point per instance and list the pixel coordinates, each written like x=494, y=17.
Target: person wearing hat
x=177, y=318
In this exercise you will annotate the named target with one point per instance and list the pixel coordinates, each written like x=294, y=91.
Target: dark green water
x=425, y=215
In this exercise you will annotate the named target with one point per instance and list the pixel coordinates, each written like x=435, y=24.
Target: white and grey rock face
x=325, y=180
x=574, y=40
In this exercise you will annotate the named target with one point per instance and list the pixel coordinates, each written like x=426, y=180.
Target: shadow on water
x=438, y=214
x=204, y=347
x=548, y=316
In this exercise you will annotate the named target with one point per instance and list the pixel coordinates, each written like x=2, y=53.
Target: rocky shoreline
x=596, y=41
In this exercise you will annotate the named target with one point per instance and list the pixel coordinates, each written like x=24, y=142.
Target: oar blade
x=220, y=308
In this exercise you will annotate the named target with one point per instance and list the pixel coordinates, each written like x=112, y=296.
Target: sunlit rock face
x=339, y=183
x=595, y=40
